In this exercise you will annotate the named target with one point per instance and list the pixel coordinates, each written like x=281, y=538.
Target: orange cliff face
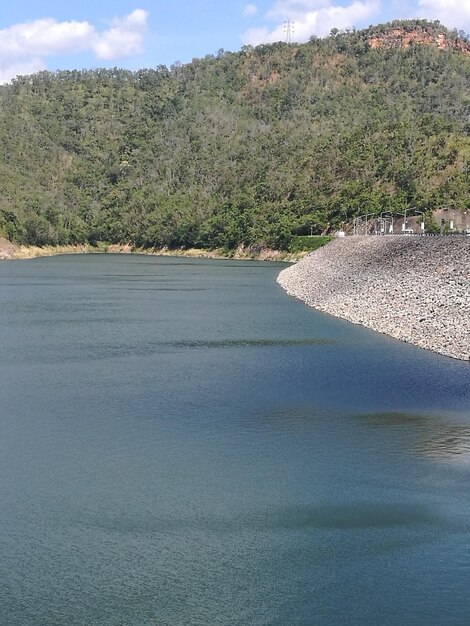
x=399, y=38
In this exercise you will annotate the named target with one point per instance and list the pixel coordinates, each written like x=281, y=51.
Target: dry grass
x=12, y=251
x=30, y=252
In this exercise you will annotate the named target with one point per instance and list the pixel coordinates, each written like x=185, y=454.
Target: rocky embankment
x=416, y=289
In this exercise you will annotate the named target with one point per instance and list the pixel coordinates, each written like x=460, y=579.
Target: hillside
x=247, y=147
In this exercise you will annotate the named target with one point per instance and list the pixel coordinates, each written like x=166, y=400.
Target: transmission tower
x=289, y=30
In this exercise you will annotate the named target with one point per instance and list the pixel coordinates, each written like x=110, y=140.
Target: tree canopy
x=239, y=147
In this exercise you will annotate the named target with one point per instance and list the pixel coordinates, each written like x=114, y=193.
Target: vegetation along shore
x=12, y=251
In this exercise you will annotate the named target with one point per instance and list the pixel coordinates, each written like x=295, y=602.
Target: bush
x=308, y=243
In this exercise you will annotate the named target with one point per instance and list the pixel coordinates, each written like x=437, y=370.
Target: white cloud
x=10, y=70
x=250, y=10
x=44, y=37
x=124, y=38
x=452, y=13
x=23, y=47
x=311, y=17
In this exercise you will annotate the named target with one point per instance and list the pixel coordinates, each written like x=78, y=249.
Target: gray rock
x=416, y=289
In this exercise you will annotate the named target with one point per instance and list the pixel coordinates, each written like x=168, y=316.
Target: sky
x=52, y=35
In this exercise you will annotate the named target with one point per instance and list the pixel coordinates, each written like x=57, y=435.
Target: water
x=182, y=443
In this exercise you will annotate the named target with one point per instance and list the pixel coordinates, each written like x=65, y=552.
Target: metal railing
x=384, y=224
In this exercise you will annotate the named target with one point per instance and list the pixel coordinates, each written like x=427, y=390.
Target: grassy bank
x=299, y=246
x=12, y=251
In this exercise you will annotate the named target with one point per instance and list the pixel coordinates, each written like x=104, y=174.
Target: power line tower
x=289, y=29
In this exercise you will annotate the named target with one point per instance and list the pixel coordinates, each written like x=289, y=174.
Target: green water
x=182, y=443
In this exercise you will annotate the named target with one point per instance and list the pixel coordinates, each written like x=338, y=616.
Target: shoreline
x=13, y=252
x=415, y=289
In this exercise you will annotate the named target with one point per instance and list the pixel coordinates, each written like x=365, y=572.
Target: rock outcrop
x=416, y=289
x=7, y=249
x=401, y=38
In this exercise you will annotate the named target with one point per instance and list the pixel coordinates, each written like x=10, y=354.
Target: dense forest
x=245, y=147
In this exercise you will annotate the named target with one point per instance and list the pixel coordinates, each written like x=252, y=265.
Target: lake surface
x=182, y=443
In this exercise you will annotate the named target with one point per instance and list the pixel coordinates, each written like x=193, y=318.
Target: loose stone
x=416, y=289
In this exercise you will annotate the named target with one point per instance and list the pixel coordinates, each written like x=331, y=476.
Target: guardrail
x=409, y=235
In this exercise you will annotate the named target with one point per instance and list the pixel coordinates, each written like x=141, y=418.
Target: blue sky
x=53, y=34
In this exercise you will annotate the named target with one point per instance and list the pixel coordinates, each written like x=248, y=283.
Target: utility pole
x=289, y=29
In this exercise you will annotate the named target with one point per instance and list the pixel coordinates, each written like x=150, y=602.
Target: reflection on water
x=431, y=436
x=326, y=516
x=428, y=436
x=91, y=350
x=446, y=443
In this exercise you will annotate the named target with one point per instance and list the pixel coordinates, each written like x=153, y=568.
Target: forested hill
x=245, y=147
